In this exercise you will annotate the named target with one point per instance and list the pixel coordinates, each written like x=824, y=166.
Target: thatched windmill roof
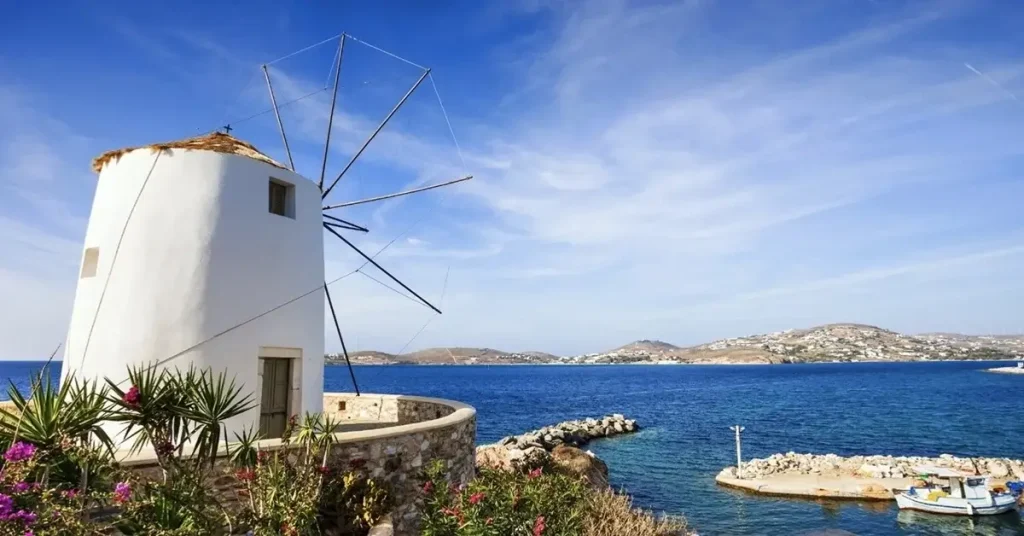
x=217, y=142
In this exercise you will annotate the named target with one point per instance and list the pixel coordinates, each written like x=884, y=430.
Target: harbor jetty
x=1019, y=369
x=853, y=477
x=535, y=447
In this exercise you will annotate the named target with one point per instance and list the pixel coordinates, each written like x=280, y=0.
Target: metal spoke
x=381, y=268
x=277, y=114
x=397, y=194
x=337, y=327
x=330, y=119
x=375, y=132
x=346, y=224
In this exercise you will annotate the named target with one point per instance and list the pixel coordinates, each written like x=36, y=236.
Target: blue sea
x=686, y=412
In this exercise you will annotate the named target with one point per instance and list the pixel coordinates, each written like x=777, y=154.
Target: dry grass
x=612, y=514
x=216, y=142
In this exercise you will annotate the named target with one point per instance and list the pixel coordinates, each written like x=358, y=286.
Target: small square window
x=90, y=262
x=282, y=198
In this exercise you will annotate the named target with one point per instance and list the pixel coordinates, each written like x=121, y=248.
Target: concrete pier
x=819, y=487
x=817, y=476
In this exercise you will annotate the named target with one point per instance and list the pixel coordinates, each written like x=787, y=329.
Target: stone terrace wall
x=395, y=454
x=349, y=407
x=396, y=409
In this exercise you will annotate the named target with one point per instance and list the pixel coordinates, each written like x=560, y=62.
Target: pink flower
x=245, y=474
x=536, y=473
x=70, y=494
x=6, y=505
x=20, y=487
x=132, y=397
x=20, y=451
x=539, y=526
x=477, y=497
x=428, y=487
x=122, y=492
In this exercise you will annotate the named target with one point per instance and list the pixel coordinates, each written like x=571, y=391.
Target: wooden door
x=274, y=402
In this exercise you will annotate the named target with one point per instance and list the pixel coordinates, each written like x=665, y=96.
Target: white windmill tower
x=207, y=252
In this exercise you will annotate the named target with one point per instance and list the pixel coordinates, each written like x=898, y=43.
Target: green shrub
x=504, y=503
x=295, y=492
x=548, y=501
x=58, y=476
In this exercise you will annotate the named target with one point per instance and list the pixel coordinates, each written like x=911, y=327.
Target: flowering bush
x=541, y=502
x=300, y=494
x=503, y=503
x=29, y=508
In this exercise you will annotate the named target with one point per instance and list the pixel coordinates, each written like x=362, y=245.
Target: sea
x=686, y=412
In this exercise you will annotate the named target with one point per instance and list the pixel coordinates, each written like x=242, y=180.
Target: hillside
x=446, y=356
x=827, y=343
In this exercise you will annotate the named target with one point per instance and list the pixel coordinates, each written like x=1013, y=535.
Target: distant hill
x=648, y=346
x=447, y=356
x=844, y=342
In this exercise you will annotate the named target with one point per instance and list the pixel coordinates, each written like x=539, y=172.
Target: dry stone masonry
x=832, y=465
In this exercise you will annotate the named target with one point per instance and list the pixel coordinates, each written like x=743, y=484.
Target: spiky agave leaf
x=74, y=410
x=214, y=400
x=243, y=452
x=160, y=413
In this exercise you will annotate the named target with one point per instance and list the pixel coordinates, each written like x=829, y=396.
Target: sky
x=682, y=171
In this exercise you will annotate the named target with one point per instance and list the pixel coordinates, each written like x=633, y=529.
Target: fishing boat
x=965, y=495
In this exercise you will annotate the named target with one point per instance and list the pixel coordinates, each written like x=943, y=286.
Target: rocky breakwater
x=552, y=443
x=831, y=465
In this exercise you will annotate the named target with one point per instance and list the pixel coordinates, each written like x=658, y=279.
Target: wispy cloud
x=681, y=170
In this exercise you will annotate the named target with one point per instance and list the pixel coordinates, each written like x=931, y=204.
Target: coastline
x=698, y=364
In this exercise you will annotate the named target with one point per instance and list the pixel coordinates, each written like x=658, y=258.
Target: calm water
x=899, y=409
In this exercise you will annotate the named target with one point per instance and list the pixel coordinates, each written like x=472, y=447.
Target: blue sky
x=683, y=171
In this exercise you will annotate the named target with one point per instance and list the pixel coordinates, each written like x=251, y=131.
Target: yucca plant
x=153, y=409
x=64, y=424
x=243, y=452
x=52, y=414
x=212, y=401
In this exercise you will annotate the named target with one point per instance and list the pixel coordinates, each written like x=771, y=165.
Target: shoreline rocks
x=832, y=465
x=534, y=448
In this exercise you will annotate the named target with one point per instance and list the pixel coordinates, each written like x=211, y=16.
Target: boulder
x=998, y=469
x=577, y=462
x=529, y=458
x=494, y=457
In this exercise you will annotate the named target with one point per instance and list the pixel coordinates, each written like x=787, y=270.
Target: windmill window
x=282, y=198
x=90, y=262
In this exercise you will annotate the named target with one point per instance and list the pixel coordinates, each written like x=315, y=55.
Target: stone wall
x=349, y=407
x=397, y=409
x=394, y=454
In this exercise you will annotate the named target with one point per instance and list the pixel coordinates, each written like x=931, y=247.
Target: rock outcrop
x=586, y=465
x=534, y=448
x=873, y=466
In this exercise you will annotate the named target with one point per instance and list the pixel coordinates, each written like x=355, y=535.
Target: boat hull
x=963, y=507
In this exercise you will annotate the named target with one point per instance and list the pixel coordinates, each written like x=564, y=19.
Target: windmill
x=206, y=251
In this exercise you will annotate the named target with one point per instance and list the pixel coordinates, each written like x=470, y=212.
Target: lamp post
x=739, y=459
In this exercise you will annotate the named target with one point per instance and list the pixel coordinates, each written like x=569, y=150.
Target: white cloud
x=664, y=174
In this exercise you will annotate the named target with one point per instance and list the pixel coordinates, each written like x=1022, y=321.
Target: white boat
x=963, y=495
